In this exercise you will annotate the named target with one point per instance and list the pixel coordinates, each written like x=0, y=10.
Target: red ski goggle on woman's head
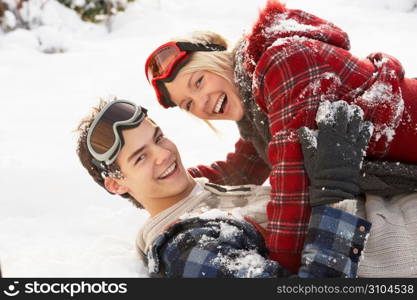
x=165, y=62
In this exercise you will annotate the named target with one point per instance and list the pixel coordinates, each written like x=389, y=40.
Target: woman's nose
x=202, y=103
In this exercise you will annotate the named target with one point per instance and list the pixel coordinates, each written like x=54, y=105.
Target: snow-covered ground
x=54, y=220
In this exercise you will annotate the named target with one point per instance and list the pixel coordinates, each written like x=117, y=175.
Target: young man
x=198, y=229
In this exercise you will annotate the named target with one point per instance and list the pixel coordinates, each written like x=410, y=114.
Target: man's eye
x=188, y=106
x=140, y=158
x=199, y=81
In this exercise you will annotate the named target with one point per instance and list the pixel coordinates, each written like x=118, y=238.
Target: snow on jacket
x=293, y=61
x=214, y=233
x=249, y=201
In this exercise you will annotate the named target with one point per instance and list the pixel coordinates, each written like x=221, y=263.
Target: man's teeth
x=219, y=104
x=168, y=171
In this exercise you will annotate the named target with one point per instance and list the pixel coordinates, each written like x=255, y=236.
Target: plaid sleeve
x=334, y=243
x=243, y=166
x=291, y=82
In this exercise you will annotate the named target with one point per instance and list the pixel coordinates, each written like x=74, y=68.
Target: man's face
x=152, y=168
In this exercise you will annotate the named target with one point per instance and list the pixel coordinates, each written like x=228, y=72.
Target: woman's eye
x=188, y=106
x=199, y=81
x=159, y=138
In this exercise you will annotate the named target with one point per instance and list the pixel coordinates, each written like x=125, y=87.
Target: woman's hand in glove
x=333, y=155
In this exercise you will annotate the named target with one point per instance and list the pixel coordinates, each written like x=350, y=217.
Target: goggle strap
x=193, y=47
x=165, y=95
x=100, y=165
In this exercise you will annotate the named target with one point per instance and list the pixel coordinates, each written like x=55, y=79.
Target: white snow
x=288, y=25
x=327, y=111
x=228, y=231
x=377, y=93
x=290, y=39
x=205, y=239
x=9, y=20
x=381, y=93
x=244, y=264
x=381, y=62
x=211, y=214
x=55, y=220
x=311, y=137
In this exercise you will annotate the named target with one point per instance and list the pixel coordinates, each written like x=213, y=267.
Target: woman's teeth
x=219, y=104
x=168, y=171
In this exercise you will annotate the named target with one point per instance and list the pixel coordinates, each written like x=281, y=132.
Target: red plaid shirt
x=243, y=166
x=291, y=78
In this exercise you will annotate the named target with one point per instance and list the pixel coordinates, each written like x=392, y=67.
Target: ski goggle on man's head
x=104, y=137
x=165, y=62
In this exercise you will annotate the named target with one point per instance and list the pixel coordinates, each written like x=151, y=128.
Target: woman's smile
x=206, y=95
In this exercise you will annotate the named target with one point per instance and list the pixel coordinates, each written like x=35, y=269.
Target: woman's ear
x=114, y=187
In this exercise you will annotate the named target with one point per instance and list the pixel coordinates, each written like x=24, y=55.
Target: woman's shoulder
x=278, y=27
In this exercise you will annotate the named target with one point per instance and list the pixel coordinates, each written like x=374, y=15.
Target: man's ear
x=114, y=187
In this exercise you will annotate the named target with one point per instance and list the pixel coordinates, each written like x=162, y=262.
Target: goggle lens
x=161, y=61
x=102, y=136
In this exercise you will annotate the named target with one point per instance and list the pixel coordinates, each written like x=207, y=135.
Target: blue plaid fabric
x=334, y=244
x=228, y=247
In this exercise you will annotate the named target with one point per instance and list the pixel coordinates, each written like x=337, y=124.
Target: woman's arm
x=288, y=94
x=292, y=80
x=243, y=166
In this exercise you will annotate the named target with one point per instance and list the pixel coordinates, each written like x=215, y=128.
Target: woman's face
x=206, y=95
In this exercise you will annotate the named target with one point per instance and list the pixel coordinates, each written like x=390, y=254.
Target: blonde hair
x=217, y=62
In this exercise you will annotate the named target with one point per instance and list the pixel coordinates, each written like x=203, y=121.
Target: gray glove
x=333, y=157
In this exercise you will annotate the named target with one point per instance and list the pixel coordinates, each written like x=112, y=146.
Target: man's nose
x=161, y=154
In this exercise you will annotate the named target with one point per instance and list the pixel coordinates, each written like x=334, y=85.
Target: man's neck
x=158, y=205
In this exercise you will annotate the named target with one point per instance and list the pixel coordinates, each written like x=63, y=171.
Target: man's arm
x=228, y=248
x=214, y=248
x=334, y=244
